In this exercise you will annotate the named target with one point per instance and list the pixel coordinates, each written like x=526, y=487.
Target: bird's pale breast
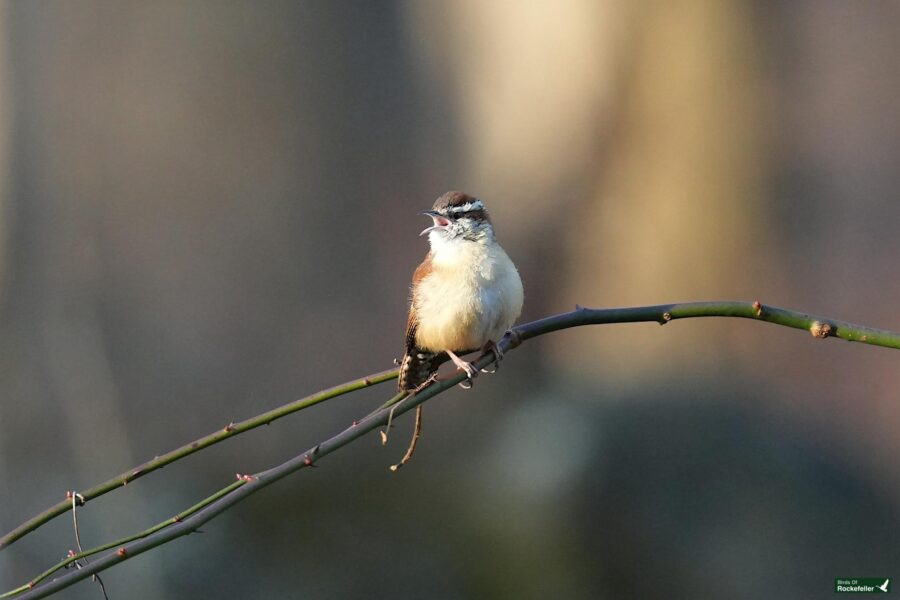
x=472, y=295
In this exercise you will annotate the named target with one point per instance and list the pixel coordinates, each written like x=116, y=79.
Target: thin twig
x=819, y=327
x=76, y=498
x=417, y=431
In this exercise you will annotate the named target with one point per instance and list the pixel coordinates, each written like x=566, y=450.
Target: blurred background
x=209, y=209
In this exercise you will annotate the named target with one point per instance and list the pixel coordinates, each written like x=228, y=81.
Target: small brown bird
x=465, y=295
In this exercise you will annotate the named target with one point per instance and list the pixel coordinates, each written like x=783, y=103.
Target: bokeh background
x=208, y=209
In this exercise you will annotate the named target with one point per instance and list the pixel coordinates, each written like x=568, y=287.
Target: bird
x=884, y=586
x=465, y=295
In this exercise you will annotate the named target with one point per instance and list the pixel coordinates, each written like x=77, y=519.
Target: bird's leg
x=417, y=431
x=471, y=372
x=492, y=347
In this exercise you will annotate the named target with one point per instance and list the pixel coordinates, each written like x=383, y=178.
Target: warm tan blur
x=210, y=209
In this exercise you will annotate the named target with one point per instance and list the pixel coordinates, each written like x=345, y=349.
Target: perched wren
x=465, y=295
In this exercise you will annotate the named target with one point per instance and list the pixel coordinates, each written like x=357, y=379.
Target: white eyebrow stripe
x=476, y=205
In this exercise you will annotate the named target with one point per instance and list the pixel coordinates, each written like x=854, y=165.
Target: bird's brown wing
x=411, y=325
x=417, y=364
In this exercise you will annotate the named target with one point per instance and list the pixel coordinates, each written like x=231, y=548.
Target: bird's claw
x=470, y=371
x=492, y=347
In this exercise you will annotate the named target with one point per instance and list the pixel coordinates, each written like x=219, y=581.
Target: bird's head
x=458, y=216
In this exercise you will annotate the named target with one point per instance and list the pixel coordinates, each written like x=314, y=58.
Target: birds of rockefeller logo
x=862, y=585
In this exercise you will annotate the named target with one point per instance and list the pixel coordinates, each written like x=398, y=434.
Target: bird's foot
x=492, y=348
x=470, y=371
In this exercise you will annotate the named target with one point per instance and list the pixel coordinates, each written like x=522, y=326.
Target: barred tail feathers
x=417, y=366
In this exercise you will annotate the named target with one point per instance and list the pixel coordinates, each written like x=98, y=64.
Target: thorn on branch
x=79, y=499
x=121, y=551
x=229, y=428
x=757, y=308
x=821, y=330
x=308, y=457
x=515, y=338
x=70, y=554
x=666, y=317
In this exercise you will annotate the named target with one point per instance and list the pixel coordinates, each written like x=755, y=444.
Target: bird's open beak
x=439, y=222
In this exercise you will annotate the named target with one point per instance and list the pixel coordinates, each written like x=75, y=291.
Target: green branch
x=189, y=520
x=820, y=327
x=229, y=431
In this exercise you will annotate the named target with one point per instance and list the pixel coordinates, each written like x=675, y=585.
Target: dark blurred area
x=209, y=209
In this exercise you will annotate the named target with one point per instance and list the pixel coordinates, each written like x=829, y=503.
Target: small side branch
x=417, y=431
